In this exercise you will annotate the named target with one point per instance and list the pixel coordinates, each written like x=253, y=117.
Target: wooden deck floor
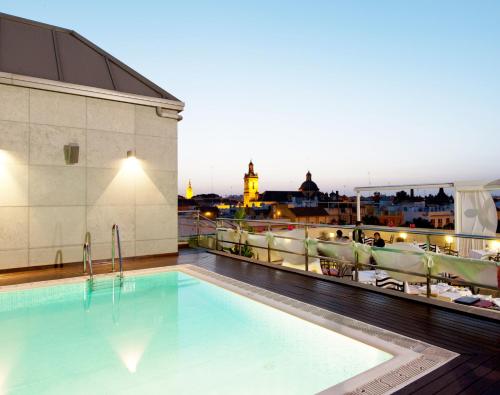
x=475, y=371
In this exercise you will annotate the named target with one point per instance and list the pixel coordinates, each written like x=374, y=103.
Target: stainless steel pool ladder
x=87, y=256
x=115, y=241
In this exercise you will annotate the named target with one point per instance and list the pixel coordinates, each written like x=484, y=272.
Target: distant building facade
x=312, y=215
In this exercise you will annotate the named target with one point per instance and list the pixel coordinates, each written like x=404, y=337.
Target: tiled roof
x=280, y=196
x=309, y=211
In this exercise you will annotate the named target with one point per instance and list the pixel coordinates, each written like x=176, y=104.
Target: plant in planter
x=243, y=250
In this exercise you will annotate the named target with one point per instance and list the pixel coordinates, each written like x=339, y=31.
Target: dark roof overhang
x=49, y=52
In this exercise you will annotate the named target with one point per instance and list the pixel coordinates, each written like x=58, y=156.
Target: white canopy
x=475, y=210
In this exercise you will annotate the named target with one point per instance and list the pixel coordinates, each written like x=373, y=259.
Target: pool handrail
x=115, y=241
x=87, y=255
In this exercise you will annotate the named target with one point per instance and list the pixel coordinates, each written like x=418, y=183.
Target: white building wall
x=46, y=206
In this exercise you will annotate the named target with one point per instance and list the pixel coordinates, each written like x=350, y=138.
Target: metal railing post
x=356, y=262
x=197, y=228
x=428, y=282
x=306, y=242
x=217, y=235
x=268, y=244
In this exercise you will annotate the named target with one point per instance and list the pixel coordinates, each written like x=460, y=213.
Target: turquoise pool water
x=165, y=333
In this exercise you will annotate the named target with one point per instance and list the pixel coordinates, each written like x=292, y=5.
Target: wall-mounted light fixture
x=131, y=164
x=71, y=153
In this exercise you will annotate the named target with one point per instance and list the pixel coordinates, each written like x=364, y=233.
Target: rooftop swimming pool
x=166, y=332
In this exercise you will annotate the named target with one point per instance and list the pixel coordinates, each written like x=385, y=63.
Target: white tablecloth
x=480, y=254
x=369, y=276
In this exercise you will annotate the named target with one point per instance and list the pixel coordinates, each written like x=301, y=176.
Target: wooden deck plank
x=422, y=385
x=457, y=380
x=490, y=377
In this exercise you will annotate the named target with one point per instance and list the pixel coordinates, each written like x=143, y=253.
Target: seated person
x=358, y=235
x=377, y=240
x=340, y=237
x=323, y=236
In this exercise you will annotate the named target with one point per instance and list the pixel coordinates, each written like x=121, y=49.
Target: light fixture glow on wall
x=448, y=239
x=3, y=167
x=3, y=157
x=131, y=164
x=403, y=235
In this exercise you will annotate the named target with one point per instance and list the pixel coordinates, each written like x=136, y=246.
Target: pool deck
x=476, y=339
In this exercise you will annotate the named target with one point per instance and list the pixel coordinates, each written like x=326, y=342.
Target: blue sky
x=357, y=92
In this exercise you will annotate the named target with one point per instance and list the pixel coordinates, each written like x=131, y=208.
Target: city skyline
x=342, y=190
x=357, y=93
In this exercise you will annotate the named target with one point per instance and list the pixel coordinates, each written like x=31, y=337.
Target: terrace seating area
x=429, y=270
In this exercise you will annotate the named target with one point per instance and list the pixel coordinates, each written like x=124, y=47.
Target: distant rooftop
x=309, y=211
x=39, y=50
x=280, y=196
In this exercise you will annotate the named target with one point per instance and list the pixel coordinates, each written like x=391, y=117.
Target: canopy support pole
x=458, y=216
x=358, y=205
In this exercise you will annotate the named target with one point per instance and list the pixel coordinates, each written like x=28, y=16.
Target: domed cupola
x=309, y=187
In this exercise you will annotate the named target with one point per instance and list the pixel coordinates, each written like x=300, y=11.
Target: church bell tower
x=251, y=186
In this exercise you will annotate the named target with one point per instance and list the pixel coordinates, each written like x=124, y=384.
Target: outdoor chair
x=448, y=250
x=335, y=268
x=432, y=247
x=390, y=283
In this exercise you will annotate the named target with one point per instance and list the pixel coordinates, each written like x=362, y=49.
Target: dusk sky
x=357, y=92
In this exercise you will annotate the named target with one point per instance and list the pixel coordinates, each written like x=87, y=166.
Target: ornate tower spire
x=189, y=191
x=250, y=168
